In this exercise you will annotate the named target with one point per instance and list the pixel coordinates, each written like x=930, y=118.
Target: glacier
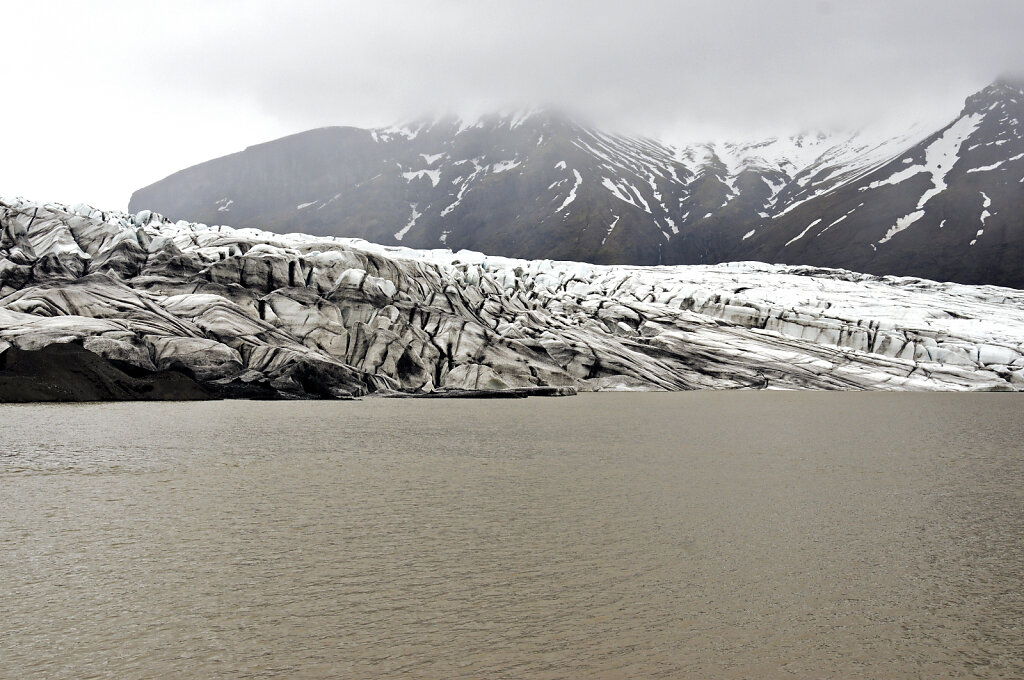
x=304, y=316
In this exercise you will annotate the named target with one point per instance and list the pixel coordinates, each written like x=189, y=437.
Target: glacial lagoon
x=684, y=535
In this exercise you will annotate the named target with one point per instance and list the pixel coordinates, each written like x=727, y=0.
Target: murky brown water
x=702, y=535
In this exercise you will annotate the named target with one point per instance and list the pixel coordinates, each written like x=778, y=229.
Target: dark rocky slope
x=69, y=372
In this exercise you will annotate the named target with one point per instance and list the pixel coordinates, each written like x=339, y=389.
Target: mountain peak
x=1004, y=89
x=1014, y=81
x=533, y=118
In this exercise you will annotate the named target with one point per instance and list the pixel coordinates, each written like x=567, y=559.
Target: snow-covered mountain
x=938, y=203
x=950, y=206
x=145, y=305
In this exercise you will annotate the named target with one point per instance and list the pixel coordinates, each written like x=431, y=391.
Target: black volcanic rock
x=541, y=186
x=69, y=372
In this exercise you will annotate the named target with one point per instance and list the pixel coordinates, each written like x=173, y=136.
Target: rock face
x=252, y=313
x=69, y=372
x=944, y=202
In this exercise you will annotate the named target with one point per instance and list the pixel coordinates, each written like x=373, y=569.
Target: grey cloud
x=645, y=66
x=167, y=84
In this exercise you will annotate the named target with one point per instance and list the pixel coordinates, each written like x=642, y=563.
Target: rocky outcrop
x=69, y=372
x=251, y=313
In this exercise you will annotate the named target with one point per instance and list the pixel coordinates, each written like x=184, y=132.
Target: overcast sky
x=102, y=98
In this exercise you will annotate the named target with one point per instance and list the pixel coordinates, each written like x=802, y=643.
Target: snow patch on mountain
x=434, y=175
x=942, y=154
x=802, y=233
x=611, y=228
x=504, y=166
x=901, y=224
x=412, y=222
x=572, y=192
x=997, y=164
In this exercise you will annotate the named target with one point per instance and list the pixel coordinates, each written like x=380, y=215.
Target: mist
x=112, y=96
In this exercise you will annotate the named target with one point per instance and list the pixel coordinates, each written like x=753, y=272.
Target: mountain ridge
x=540, y=185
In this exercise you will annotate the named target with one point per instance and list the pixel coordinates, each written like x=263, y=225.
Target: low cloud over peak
x=197, y=79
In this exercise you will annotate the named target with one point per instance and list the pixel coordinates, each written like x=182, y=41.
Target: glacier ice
x=324, y=316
